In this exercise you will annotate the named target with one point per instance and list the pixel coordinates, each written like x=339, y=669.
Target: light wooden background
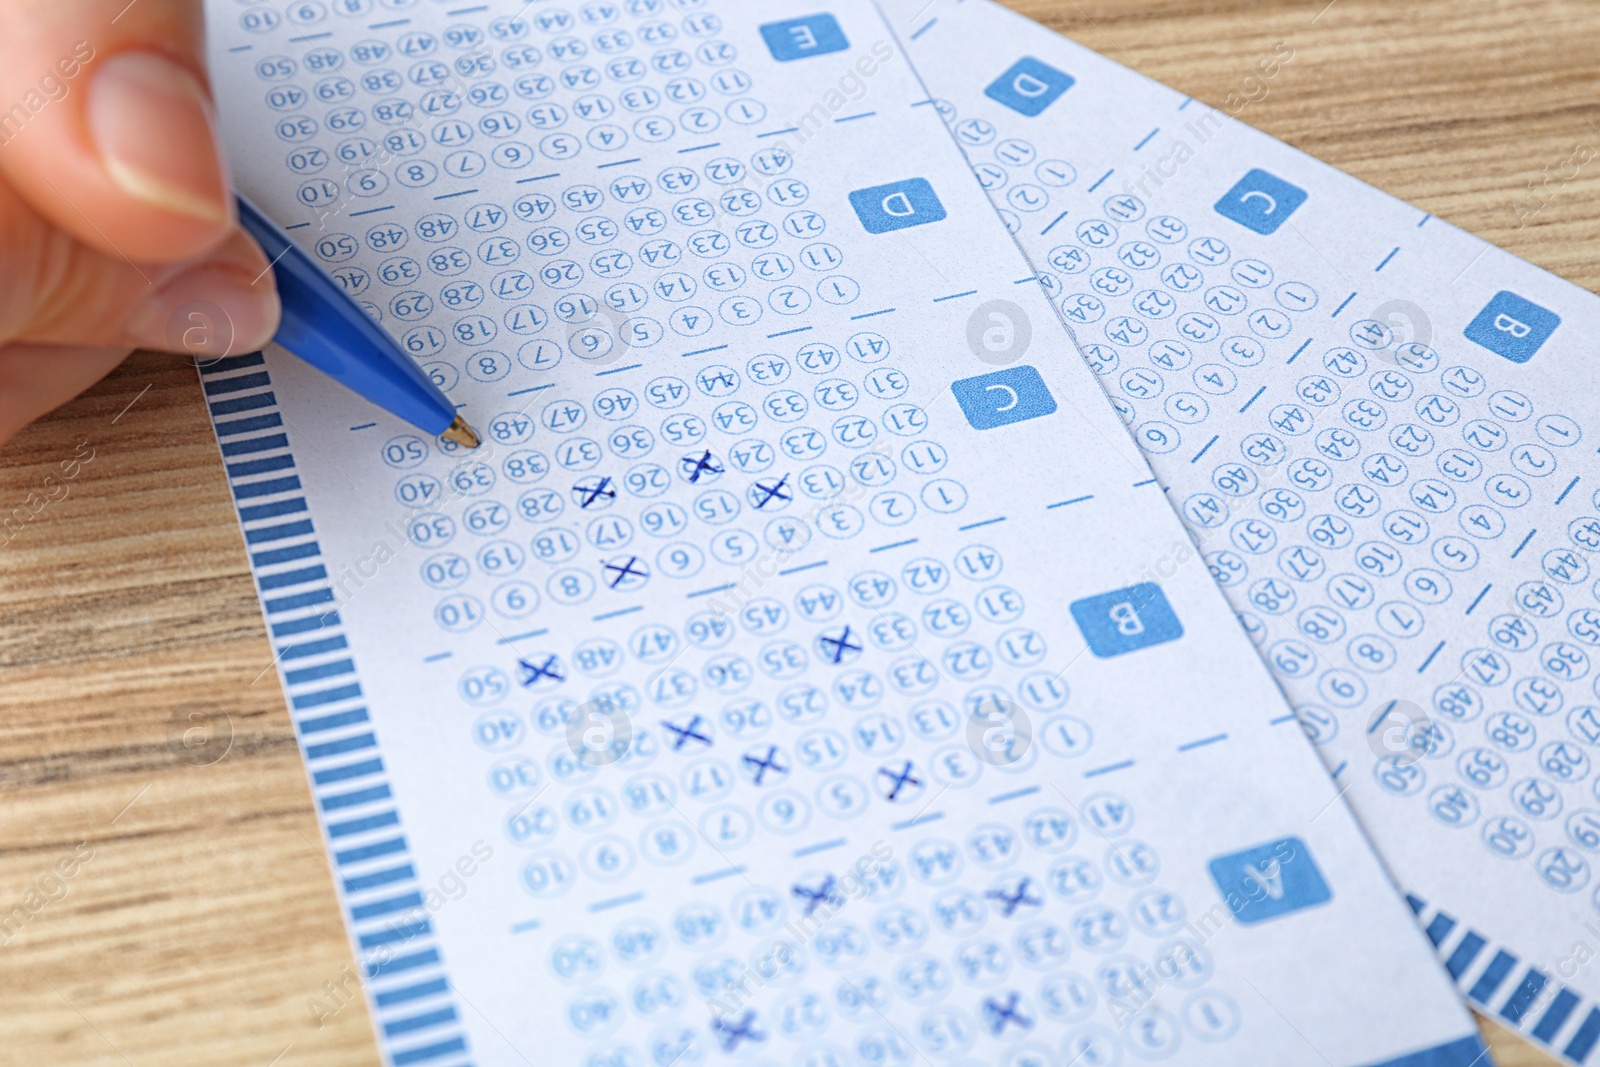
x=138, y=714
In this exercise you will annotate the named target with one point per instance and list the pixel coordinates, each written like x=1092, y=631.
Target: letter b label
x=1507, y=324
x=1513, y=327
x=1126, y=620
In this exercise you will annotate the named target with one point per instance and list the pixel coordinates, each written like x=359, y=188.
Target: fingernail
x=155, y=129
x=207, y=311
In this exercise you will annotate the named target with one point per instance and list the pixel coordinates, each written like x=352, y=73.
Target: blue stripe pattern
x=1464, y=1052
x=413, y=1004
x=1517, y=994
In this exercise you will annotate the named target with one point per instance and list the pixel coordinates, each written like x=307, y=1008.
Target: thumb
x=108, y=129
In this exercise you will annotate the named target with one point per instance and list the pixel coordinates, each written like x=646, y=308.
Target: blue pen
x=330, y=331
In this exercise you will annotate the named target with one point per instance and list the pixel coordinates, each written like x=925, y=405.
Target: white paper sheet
x=808, y=670
x=1381, y=432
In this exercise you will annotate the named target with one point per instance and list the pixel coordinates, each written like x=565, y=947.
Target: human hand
x=117, y=225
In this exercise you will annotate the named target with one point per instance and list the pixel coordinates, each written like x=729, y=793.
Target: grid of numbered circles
x=620, y=262
x=984, y=960
x=684, y=478
x=777, y=759
x=1339, y=518
x=927, y=684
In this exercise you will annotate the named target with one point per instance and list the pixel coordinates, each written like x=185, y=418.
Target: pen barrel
x=326, y=328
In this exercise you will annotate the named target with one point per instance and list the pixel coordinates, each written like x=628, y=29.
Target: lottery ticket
x=808, y=670
x=1376, y=427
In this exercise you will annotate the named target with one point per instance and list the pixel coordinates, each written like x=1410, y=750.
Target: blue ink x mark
x=898, y=780
x=839, y=647
x=997, y=1015
x=1010, y=902
x=684, y=734
x=593, y=491
x=698, y=465
x=632, y=567
x=769, y=493
x=730, y=1033
x=826, y=893
x=760, y=765
x=532, y=674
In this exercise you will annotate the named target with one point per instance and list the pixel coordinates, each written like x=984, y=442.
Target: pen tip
x=461, y=434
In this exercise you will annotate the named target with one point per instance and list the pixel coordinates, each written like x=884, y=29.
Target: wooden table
x=141, y=723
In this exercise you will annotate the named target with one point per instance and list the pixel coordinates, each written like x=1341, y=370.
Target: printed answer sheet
x=804, y=672
x=1381, y=435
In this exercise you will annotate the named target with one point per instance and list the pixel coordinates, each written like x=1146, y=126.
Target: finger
x=109, y=131
x=35, y=379
x=224, y=305
x=54, y=290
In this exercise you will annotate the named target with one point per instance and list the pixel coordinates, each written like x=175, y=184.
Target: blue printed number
x=1513, y=327
x=1030, y=86
x=1270, y=880
x=1015, y=394
x=1261, y=202
x=814, y=35
x=897, y=206
x=1127, y=620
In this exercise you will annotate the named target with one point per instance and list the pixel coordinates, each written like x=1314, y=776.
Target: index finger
x=107, y=127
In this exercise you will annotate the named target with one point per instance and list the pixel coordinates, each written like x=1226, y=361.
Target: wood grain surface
x=155, y=824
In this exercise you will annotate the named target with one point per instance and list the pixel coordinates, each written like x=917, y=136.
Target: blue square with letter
x=1030, y=86
x=1261, y=202
x=1513, y=327
x=897, y=206
x=814, y=35
x=1126, y=620
x=1015, y=394
x=1270, y=880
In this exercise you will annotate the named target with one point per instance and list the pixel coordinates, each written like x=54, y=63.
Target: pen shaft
x=326, y=328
